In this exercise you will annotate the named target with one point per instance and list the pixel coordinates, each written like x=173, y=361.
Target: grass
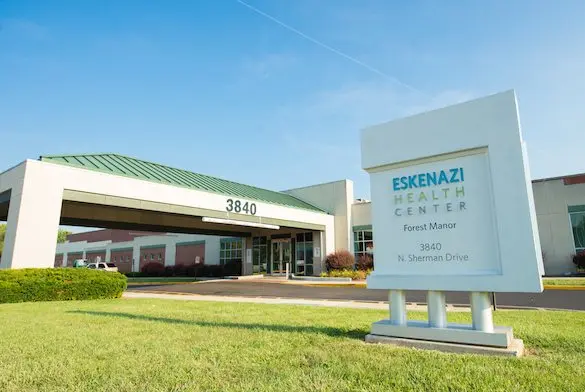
x=564, y=281
x=164, y=345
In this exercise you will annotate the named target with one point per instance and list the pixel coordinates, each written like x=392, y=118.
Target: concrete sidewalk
x=281, y=301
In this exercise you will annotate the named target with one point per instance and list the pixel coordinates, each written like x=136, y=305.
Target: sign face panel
x=452, y=205
x=439, y=216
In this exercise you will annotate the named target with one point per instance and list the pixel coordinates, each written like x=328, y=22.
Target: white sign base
x=425, y=334
x=516, y=348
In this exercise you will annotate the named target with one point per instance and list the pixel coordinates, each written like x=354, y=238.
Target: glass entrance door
x=281, y=254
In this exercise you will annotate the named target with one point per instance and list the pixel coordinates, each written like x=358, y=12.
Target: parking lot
x=553, y=299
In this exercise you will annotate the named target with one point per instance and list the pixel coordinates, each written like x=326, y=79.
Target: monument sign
x=452, y=210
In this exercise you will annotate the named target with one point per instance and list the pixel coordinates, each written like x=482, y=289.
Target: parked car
x=103, y=266
x=80, y=263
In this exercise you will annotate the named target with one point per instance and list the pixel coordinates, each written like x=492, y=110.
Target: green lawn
x=564, y=281
x=166, y=345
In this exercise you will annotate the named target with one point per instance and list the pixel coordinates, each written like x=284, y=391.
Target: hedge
x=59, y=284
x=231, y=268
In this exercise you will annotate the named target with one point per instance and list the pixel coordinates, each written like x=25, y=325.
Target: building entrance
x=281, y=255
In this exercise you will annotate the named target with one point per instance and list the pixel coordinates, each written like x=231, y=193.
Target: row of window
x=152, y=256
x=304, y=254
x=578, y=226
x=363, y=243
x=259, y=255
x=230, y=250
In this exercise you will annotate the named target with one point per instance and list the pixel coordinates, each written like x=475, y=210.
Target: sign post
x=452, y=210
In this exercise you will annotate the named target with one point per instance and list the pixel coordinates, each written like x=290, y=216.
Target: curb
x=363, y=285
x=562, y=287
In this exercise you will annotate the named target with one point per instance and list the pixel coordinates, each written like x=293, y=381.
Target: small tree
x=340, y=260
x=365, y=262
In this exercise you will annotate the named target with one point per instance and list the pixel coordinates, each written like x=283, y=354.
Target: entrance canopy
x=115, y=191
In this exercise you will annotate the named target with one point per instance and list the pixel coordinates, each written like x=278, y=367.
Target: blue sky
x=214, y=87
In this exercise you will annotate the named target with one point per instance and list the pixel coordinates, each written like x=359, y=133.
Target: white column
x=247, y=256
x=170, y=252
x=481, y=312
x=108, y=255
x=33, y=221
x=397, y=299
x=437, y=309
x=318, y=245
x=212, y=250
x=65, y=257
x=136, y=257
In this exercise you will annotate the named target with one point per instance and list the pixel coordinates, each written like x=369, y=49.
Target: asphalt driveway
x=556, y=299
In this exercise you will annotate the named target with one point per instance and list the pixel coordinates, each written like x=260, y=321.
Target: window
x=259, y=254
x=115, y=259
x=230, y=250
x=363, y=242
x=304, y=254
x=151, y=256
x=127, y=259
x=159, y=256
x=577, y=215
x=145, y=257
x=110, y=265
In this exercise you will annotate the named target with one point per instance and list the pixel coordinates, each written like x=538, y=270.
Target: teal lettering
x=404, y=182
x=411, y=182
x=443, y=177
x=432, y=178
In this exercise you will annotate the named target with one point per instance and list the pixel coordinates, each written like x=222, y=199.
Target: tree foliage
x=61, y=236
x=2, y=234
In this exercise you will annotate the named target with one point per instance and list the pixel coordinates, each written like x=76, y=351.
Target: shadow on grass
x=331, y=331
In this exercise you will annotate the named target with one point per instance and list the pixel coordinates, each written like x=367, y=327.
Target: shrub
x=354, y=275
x=134, y=274
x=579, y=259
x=179, y=270
x=169, y=270
x=154, y=268
x=214, y=271
x=193, y=270
x=339, y=260
x=59, y=284
x=232, y=268
x=365, y=262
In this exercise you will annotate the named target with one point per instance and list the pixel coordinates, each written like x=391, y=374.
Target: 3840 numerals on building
x=240, y=207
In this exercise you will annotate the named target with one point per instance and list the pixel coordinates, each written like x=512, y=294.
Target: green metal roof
x=136, y=168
